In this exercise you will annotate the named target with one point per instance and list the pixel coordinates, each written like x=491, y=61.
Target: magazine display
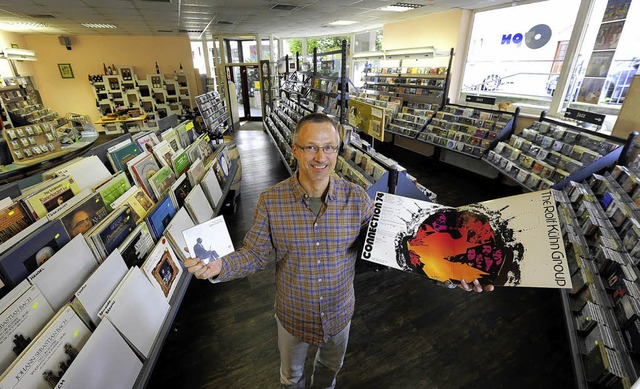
x=513, y=241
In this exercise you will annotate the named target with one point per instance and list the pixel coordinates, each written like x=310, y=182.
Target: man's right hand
x=196, y=267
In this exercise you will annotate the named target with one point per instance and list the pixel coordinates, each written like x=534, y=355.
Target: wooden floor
x=406, y=332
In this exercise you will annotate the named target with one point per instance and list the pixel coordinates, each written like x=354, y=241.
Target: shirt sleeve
x=254, y=253
x=364, y=223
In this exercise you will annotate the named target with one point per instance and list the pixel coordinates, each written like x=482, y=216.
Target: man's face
x=316, y=168
x=80, y=223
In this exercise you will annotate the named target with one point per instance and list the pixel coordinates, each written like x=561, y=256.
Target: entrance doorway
x=246, y=78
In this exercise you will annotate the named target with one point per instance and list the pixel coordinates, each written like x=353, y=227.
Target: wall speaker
x=65, y=41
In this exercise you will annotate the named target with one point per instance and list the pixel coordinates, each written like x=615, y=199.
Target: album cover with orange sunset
x=512, y=241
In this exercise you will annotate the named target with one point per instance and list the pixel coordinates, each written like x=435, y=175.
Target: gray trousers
x=327, y=363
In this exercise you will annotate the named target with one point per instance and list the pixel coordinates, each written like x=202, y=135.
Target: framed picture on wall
x=65, y=70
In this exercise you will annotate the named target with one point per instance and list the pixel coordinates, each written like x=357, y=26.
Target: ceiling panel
x=146, y=17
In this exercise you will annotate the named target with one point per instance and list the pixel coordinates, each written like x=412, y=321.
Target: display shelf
x=20, y=103
x=156, y=94
x=552, y=153
x=282, y=145
x=383, y=173
x=412, y=120
x=466, y=130
x=214, y=113
x=601, y=229
x=403, y=77
x=320, y=84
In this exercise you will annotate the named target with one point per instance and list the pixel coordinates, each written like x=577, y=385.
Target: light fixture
x=99, y=25
x=400, y=7
x=342, y=23
x=18, y=54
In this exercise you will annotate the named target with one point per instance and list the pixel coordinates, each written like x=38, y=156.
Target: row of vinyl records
x=102, y=266
x=601, y=222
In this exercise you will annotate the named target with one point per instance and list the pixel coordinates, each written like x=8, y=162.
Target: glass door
x=246, y=78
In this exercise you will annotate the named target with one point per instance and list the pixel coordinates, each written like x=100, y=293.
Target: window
x=516, y=53
x=197, y=53
x=607, y=58
x=538, y=70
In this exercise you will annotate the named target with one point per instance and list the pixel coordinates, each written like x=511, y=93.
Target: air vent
x=41, y=16
x=284, y=7
x=157, y=1
x=407, y=5
x=223, y=22
x=164, y=30
x=192, y=31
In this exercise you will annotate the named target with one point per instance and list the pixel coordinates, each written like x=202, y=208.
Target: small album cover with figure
x=512, y=241
x=209, y=241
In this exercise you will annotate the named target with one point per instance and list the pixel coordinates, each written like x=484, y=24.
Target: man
x=312, y=221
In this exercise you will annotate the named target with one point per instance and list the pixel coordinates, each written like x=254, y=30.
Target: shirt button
x=315, y=225
x=319, y=279
x=317, y=243
x=318, y=261
x=320, y=298
x=322, y=314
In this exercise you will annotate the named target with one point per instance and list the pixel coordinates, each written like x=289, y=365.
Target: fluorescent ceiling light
x=99, y=25
x=19, y=54
x=342, y=23
x=400, y=7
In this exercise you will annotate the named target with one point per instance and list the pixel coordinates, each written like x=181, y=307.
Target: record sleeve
x=513, y=241
x=209, y=241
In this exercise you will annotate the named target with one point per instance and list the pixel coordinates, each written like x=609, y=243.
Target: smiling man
x=312, y=221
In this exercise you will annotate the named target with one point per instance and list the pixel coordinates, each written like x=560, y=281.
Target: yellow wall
x=442, y=30
x=25, y=68
x=87, y=56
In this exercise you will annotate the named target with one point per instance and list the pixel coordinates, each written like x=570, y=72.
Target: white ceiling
x=201, y=19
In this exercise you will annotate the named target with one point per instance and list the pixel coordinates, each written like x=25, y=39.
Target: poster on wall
x=609, y=35
x=590, y=90
x=367, y=118
x=616, y=10
x=599, y=63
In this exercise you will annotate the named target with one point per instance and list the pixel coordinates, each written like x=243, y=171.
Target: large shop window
x=516, y=53
x=607, y=58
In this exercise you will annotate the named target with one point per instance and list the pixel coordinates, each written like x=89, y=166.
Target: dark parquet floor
x=406, y=332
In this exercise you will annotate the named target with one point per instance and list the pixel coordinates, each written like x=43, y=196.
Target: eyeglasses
x=311, y=149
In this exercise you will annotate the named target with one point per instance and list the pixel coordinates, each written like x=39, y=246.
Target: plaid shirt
x=315, y=255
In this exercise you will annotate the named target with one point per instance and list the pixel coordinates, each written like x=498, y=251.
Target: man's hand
x=475, y=286
x=202, y=271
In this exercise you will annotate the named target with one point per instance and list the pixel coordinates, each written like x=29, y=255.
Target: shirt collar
x=299, y=193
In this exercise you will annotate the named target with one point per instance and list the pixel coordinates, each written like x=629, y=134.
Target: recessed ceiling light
x=342, y=23
x=26, y=24
x=400, y=7
x=99, y=25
